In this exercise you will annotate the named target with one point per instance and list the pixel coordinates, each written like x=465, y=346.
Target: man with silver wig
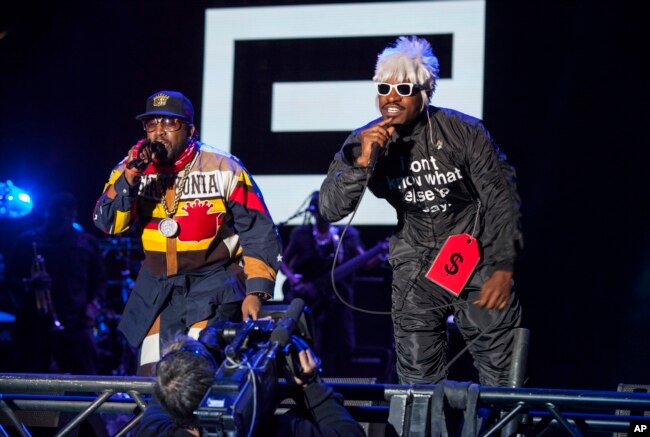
x=410, y=60
x=458, y=223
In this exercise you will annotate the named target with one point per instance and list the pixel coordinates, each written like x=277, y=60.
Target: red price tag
x=455, y=263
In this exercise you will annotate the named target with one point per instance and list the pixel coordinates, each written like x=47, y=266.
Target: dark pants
x=420, y=310
x=173, y=317
x=211, y=294
x=173, y=322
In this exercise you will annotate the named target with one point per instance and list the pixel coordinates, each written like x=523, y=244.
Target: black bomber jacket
x=443, y=175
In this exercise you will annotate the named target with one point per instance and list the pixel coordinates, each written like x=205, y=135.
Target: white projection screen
x=317, y=100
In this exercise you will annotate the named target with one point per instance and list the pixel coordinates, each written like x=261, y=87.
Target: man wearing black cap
x=204, y=226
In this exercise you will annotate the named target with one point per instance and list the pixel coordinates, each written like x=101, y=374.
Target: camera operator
x=186, y=372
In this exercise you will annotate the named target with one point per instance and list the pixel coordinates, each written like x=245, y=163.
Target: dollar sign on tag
x=455, y=263
x=454, y=266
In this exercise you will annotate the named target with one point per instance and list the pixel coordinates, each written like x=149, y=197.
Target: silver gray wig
x=409, y=59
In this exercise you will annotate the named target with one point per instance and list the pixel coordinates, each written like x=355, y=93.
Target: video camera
x=243, y=392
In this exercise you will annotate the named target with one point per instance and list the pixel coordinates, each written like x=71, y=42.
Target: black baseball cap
x=170, y=103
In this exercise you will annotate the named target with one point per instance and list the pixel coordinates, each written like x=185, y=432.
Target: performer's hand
x=140, y=156
x=495, y=292
x=135, y=164
x=250, y=307
x=376, y=134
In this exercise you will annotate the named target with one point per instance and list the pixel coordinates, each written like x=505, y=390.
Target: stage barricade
x=408, y=410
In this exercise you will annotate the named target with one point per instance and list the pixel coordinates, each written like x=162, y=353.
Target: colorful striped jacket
x=221, y=214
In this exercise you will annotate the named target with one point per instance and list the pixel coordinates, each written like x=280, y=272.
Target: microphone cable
x=371, y=167
x=388, y=313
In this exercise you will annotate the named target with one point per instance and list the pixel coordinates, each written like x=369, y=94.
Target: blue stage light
x=24, y=197
x=14, y=201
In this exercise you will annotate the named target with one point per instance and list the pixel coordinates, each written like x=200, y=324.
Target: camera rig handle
x=233, y=349
x=285, y=327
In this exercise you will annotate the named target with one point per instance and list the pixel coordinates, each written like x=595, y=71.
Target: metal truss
x=72, y=394
x=410, y=410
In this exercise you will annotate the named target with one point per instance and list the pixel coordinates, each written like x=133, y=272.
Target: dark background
x=565, y=97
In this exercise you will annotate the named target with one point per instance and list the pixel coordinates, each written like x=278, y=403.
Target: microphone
x=374, y=154
x=156, y=148
x=159, y=150
x=138, y=164
x=377, y=151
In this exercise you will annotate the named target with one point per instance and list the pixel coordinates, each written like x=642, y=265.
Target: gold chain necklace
x=168, y=226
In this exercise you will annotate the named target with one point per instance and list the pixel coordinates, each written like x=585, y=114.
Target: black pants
x=420, y=309
x=173, y=319
x=181, y=301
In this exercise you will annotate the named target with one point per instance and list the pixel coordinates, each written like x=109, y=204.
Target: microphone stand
x=298, y=214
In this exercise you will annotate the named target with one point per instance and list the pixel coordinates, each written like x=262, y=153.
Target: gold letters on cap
x=160, y=99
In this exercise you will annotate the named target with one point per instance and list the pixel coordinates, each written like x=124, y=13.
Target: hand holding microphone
x=141, y=155
x=149, y=151
x=373, y=140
